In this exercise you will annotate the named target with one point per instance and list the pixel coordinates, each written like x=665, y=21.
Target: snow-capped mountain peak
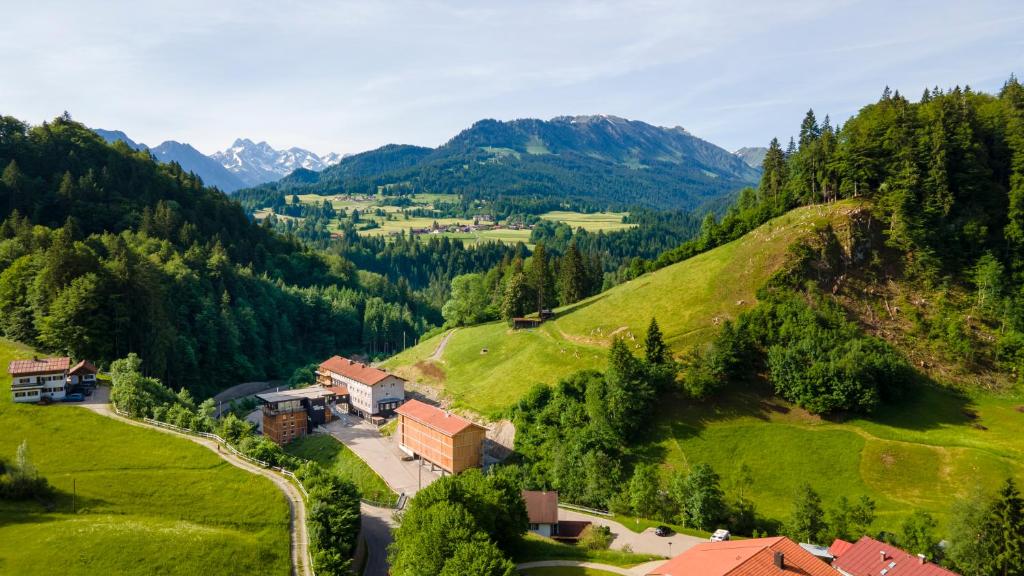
x=256, y=163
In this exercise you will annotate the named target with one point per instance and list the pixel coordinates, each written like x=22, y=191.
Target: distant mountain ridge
x=752, y=155
x=242, y=165
x=257, y=163
x=594, y=160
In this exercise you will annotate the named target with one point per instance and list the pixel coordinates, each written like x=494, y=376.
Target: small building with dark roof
x=542, y=510
x=291, y=414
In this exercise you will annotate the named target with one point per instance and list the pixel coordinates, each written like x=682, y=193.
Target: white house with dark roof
x=371, y=391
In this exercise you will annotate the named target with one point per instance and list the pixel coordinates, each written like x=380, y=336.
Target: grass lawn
x=148, y=503
x=565, y=571
x=331, y=454
x=536, y=548
x=920, y=454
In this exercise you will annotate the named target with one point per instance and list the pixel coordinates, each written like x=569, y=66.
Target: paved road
x=640, y=570
x=646, y=542
x=381, y=453
x=377, y=525
x=99, y=403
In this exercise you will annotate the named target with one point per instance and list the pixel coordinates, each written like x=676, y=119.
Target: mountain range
x=752, y=155
x=243, y=164
x=596, y=161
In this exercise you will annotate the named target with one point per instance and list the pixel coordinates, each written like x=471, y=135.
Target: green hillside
x=689, y=300
x=920, y=453
x=148, y=503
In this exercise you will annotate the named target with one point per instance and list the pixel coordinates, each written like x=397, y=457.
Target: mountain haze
x=752, y=155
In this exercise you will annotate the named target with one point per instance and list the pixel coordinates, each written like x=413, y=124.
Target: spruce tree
x=1005, y=528
x=655, y=351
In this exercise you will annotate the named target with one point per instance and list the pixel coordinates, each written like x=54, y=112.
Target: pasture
x=146, y=502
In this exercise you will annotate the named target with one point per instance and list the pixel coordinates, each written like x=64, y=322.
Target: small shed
x=525, y=323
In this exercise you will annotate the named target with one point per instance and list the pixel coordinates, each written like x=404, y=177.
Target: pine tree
x=541, y=279
x=1005, y=527
x=572, y=276
x=773, y=175
x=655, y=351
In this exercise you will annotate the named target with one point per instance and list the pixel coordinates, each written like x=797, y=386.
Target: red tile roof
x=839, y=547
x=444, y=422
x=355, y=370
x=338, y=390
x=541, y=507
x=866, y=558
x=83, y=367
x=38, y=366
x=754, y=557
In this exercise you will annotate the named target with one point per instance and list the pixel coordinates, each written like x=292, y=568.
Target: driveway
x=377, y=525
x=381, y=453
x=646, y=542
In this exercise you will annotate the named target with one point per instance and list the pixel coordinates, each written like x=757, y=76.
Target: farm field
x=397, y=222
x=333, y=455
x=607, y=221
x=921, y=453
x=147, y=503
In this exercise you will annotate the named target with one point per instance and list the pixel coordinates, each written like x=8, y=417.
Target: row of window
x=26, y=394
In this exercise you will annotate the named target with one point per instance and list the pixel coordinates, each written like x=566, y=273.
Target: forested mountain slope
x=104, y=252
x=581, y=161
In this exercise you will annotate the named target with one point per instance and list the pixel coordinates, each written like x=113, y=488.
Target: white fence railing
x=584, y=509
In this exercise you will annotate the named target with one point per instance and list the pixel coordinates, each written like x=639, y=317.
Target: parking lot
x=382, y=454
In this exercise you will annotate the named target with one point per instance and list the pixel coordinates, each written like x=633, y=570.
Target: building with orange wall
x=450, y=442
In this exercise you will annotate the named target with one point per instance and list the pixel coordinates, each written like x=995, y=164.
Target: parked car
x=74, y=397
x=720, y=535
x=662, y=531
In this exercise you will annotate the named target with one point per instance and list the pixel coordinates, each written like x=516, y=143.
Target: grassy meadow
x=689, y=300
x=333, y=455
x=147, y=502
x=921, y=453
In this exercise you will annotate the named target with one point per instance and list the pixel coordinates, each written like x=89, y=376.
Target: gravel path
x=441, y=346
x=99, y=403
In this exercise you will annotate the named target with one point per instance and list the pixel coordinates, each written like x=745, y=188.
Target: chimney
x=882, y=552
x=780, y=560
x=921, y=558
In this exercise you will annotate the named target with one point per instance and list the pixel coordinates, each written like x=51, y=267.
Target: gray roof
x=296, y=394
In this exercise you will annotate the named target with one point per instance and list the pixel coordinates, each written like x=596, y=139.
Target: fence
x=584, y=509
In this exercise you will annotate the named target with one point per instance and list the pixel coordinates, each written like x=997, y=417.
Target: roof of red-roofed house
x=869, y=557
x=38, y=366
x=755, y=557
x=541, y=507
x=441, y=420
x=357, y=371
x=839, y=547
x=83, y=367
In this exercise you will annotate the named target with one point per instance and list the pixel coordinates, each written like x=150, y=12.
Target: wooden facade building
x=441, y=438
x=292, y=414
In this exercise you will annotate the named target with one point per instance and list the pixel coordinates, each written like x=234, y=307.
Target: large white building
x=371, y=392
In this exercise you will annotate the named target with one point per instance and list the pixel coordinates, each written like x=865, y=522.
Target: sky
x=351, y=76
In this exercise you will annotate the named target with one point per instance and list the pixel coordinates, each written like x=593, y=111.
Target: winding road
x=99, y=403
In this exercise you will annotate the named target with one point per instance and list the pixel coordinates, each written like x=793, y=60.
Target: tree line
x=104, y=251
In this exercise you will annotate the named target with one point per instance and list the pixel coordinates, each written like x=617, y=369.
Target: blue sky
x=350, y=76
